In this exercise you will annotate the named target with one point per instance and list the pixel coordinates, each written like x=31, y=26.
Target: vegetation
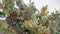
x=24, y=20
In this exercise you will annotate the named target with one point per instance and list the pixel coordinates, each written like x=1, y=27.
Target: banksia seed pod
x=26, y=16
x=47, y=24
x=38, y=16
x=14, y=15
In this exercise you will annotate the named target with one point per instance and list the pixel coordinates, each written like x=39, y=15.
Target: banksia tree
x=24, y=20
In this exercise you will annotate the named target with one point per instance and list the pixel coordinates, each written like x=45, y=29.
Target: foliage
x=25, y=19
x=4, y=27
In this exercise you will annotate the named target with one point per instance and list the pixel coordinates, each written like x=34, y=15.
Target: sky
x=40, y=3
x=51, y=4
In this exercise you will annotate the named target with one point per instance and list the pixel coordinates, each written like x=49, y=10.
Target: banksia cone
x=38, y=16
x=26, y=16
x=47, y=24
x=14, y=15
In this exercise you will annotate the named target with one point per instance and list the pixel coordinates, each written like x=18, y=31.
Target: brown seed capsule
x=38, y=16
x=14, y=15
x=26, y=16
x=47, y=24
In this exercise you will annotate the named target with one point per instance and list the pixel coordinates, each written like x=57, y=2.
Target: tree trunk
x=16, y=27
